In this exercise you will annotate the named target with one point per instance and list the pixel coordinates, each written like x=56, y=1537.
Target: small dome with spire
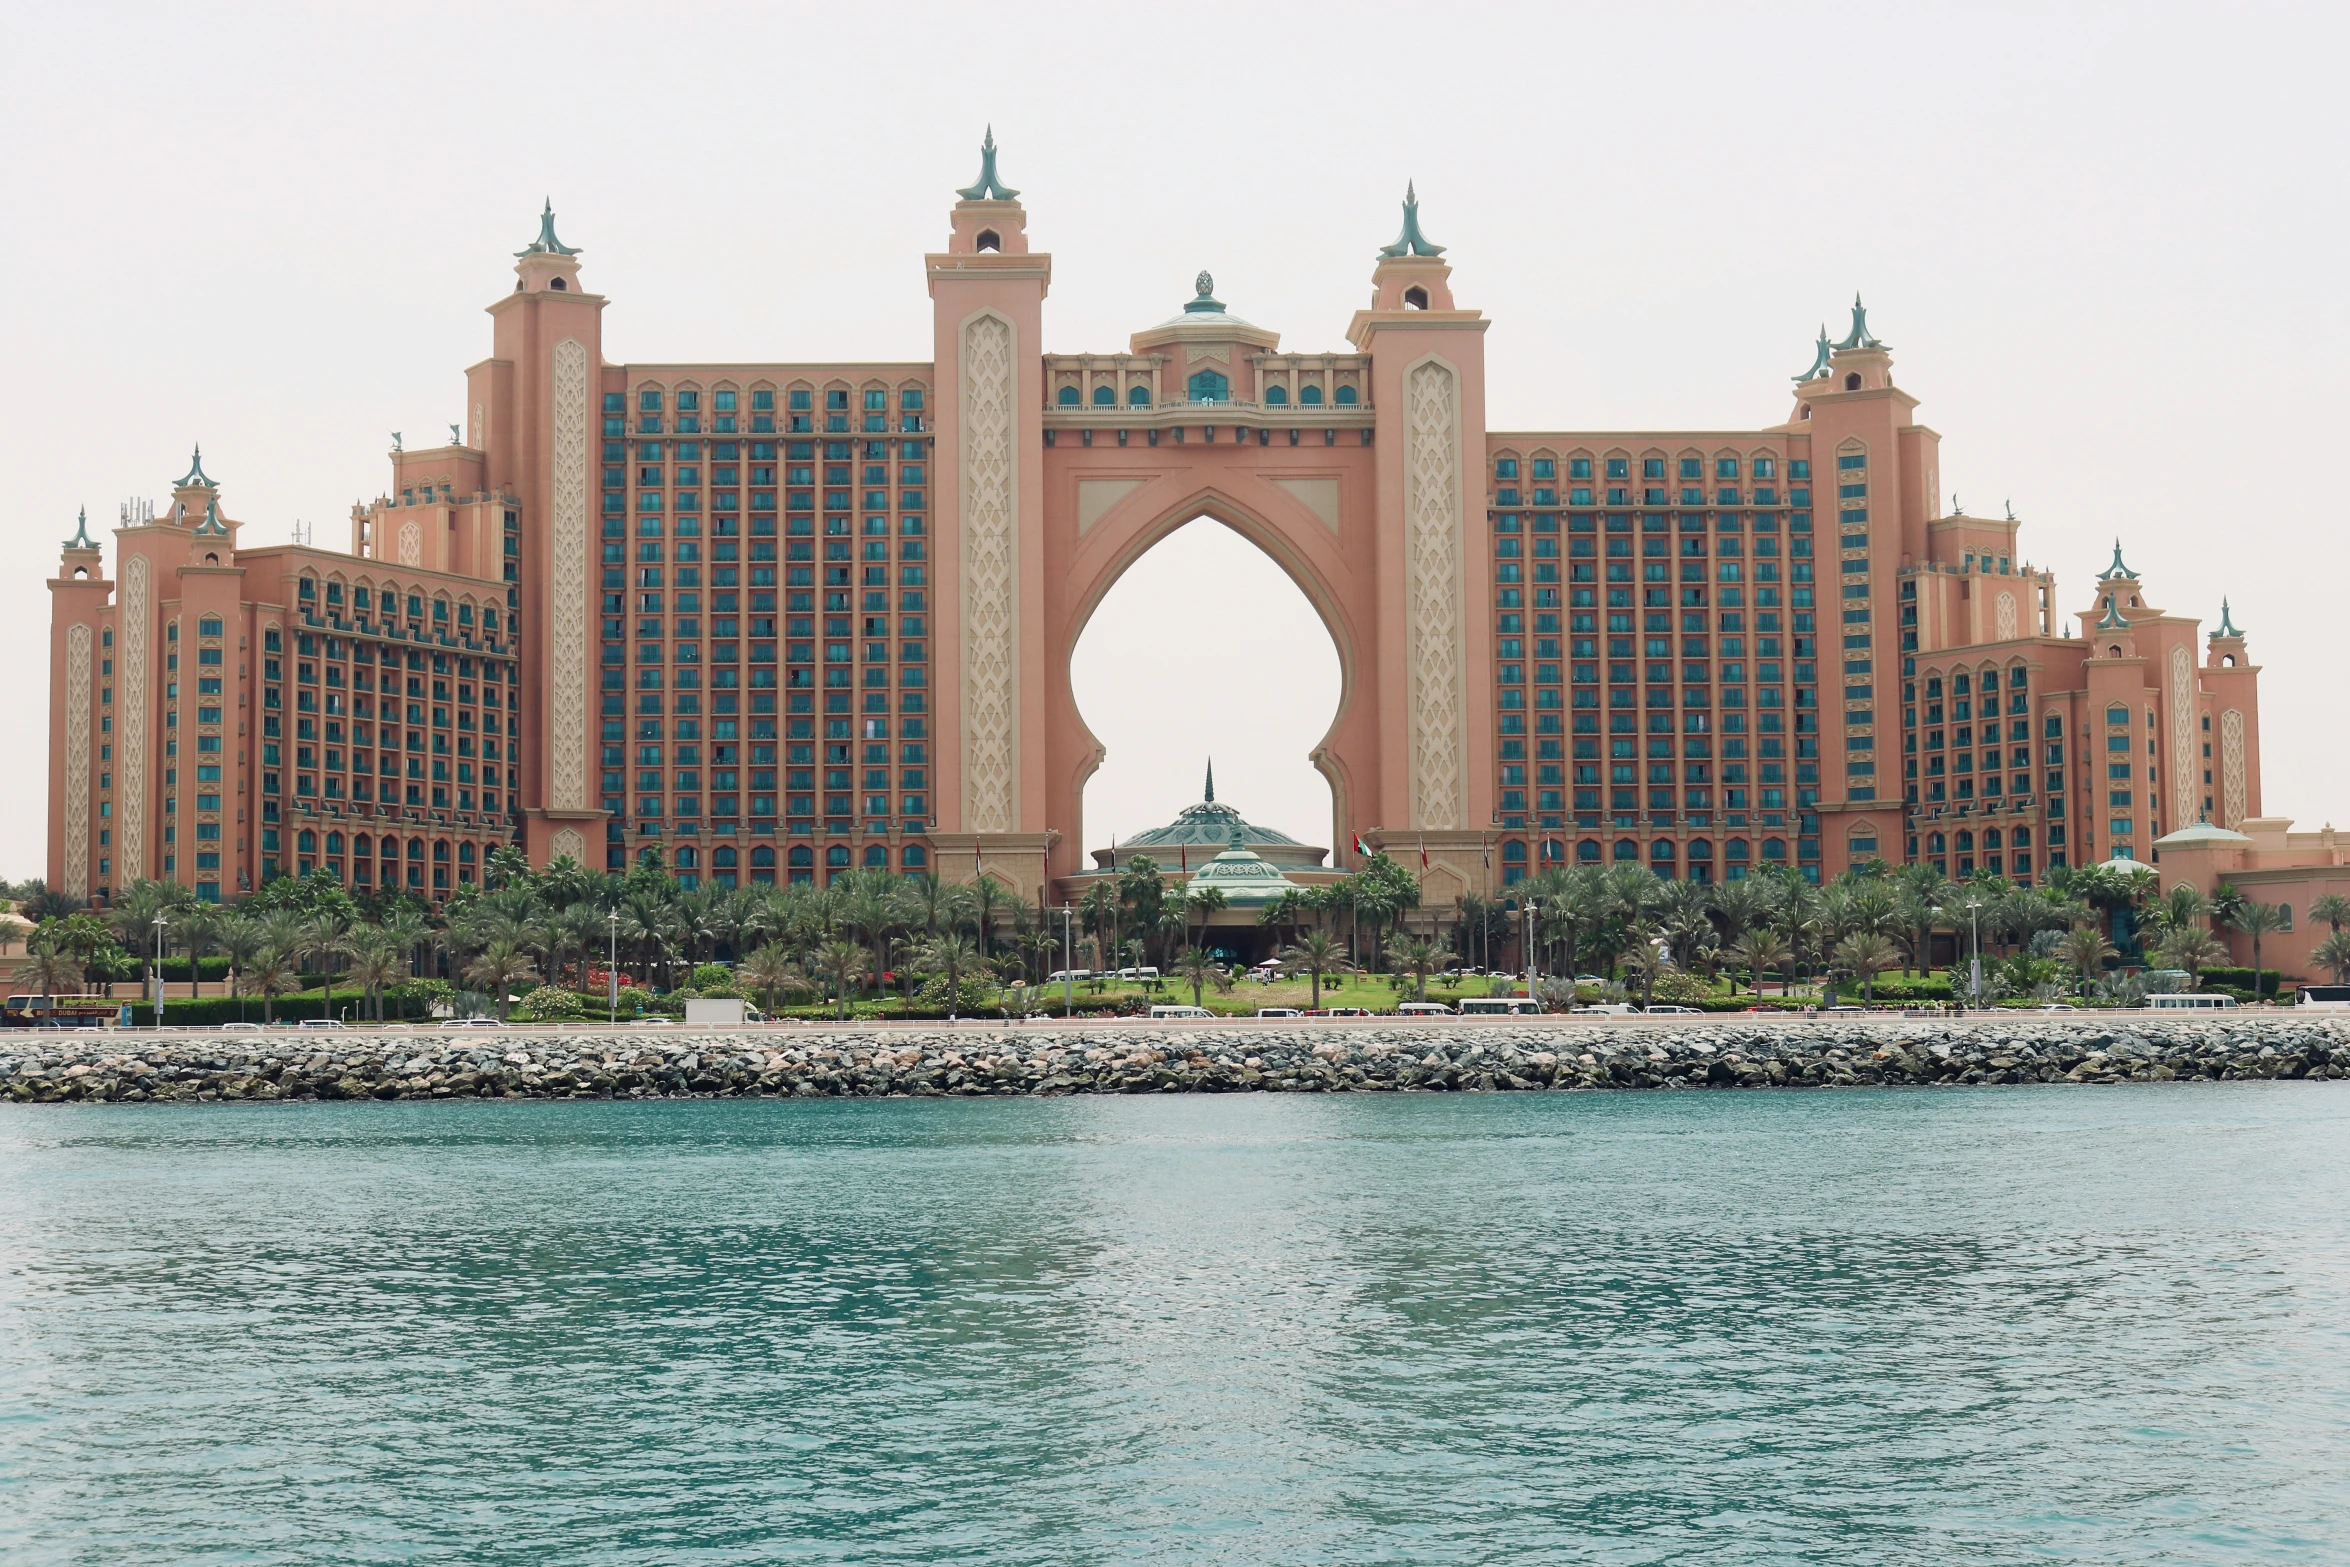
x=1411, y=242
x=196, y=478
x=547, y=244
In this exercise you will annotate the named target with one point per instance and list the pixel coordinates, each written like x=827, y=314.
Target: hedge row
x=400, y=1001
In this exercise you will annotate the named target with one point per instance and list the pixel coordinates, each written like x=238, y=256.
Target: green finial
x=1859, y=336
x=547, y=244
x=2227, y=626
x=212, y=525
x=1210, y=796
x=2117, y=569
x=81, y=533
x=196, y=475
x=1819, y=358
x=987, y=187
x=2112, y=619
x=1203, y=301
x=1411, y=242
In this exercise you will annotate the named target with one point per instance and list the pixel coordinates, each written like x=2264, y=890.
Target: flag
x=1362, y=849
x=1423, y=852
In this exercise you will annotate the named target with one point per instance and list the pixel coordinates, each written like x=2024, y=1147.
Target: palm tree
x=1315, y=951
x=199, y=932
x=2193, y=949
x=500, y=966
x=50, y=970
x=1643, y=961
x=769, y=969
x=326, y=936
x=1205, y=900
x=1865, y=954
x=2256, y=920
x=2084, y=949
x=1418, y=954
x=2333, y=908
x=991, y=897
x=2333, y=953
x=1196, y=966
x=842, y=963
x=272, y=974
x=1762, y=948
x=376, y=961
x=241, y=941
x=950, y=953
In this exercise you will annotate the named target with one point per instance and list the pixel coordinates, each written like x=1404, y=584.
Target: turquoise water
x=1867, y=1327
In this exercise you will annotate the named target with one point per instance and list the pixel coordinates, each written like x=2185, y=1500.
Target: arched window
x=334, y=843
x=1966, y=842
x=1415, y=298
x=723, y=857
x=1700, y=849
x=1627, y=850
x=988, y=239
x=1661, y=852
x=1105, y=396
x=1937, y=844
x=916, y=857
x=1309, y=396
x=1138, y=396
x=1208, y=386
x=877, y=856
x=801, y=855
x=688, y=857
x=1346, y=397
x=1276, y=397
x=1991, y=838
x=1852, y=382
x=1513, y=852
x=416, y=848
x=440, y=850
x=837, y=855
x=209, y=626
x=1775, y=849
x=763, y=856
x=2284, y=916
x=307, y=841
x=1067, y=397
x=554, y=283
x=1587, y=851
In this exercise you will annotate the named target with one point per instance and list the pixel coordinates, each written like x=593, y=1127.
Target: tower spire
x=1411, y=242
x=2117, y=569
x=547, y=244
x=1859, y=337
x=196, y=476
x=2227, y=626
x=2113, y=619
x=81, y=533
x=1819, y=358
x=988, y=187
x=1210, y=796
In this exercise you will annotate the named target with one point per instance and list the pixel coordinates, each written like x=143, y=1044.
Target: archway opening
x=1205, y=649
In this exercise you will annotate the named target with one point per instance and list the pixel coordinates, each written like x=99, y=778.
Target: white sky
x=2105, y=242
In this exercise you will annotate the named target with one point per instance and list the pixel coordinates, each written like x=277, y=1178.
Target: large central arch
x=1102, y=517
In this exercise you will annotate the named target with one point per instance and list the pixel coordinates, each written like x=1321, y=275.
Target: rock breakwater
x=1523, y=1055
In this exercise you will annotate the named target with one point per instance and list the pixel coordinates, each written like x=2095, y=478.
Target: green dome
x=1246, y=879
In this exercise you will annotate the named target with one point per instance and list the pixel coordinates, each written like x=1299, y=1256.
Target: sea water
x=1958, y=1326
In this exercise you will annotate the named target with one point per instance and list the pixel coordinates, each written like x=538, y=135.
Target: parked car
x=1181, y=1012
x=1673, y=1010
x=321, y=1022
x=2058, y=1006
x=1278, y=1012
x=473, y=1022
x=243, y=1028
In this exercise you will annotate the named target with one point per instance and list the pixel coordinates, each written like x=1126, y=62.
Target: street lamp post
x=159, y=924
x=1975, y=969
x=612, y=964
x=1068, y=962
x=1533, y=993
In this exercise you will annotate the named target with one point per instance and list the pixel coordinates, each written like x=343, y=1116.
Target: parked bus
x=1500, y=1006
x=2326, y=998
x=59, y=1012
x=2191, y=1001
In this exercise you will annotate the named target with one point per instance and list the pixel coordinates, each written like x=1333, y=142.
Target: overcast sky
x=2104, y=242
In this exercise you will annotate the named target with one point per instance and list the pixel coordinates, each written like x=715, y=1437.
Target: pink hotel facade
x=781, y=619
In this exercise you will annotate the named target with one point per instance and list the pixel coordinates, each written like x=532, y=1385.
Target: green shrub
x=708, y=975
x=547, y=1004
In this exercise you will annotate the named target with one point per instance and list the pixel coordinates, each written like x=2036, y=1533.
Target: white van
x=1063, y=976
x=1148, y=976
x=1181, y=1012
x=1423, y=1009
x=1500, y=1006
x=2191, y=1001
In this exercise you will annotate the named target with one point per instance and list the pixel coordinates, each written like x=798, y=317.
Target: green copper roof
x=195, y=475
x=1411, y=242
x=81, y=533
x=1859, y=337
x=212, y=523
x=987, y=187
x=2117, y=569
x=2201, y=835
x=2227, y=627
x=547, y=244
x=2112, y=619
x=1819, y=358
x=1244, y=877
x=1206, y=822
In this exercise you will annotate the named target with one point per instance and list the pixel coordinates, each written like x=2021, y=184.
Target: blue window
x=1276, y=397
x=1346, y=397
x=1105, y=397
x=1309, y=397
x=1210, y=387
x=1138, y=396
x=1067, y=397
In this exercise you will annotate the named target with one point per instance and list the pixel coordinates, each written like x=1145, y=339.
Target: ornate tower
x=1434, y=549
x=987, y=290
x=537, y=408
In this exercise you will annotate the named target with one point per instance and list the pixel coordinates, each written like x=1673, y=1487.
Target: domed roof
x=1209, y=826
x=1246, y=880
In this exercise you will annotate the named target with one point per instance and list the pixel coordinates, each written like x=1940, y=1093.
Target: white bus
x=2328, y=998
x=2191, y=1001
x=1500, y=1006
